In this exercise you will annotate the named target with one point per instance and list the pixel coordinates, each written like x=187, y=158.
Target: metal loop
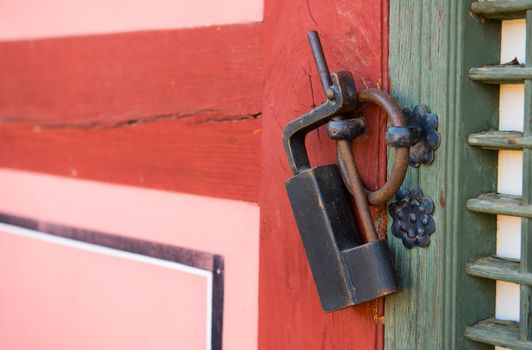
x=400, y=164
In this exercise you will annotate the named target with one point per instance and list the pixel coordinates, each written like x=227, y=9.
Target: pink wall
x=55, y=296
x=22, y=19
x=226, y=227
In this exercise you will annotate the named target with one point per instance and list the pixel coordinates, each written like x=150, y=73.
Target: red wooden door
x=163, y=141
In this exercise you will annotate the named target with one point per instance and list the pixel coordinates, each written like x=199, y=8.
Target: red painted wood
x=110, y=78
x=173, y=110
x=354, y=35
x=204, y=154
x=177, y=110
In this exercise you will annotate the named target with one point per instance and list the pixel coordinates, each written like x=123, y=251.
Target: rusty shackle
x=347, y=130
x=395, y=115
x=400, y=164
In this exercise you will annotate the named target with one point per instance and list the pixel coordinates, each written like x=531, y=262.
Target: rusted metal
x=401, y=137
x=321, y=63
x=367, y=229
x=400, y=164
x=295, y=131
x=349, y=264
x=344, y=100
x=386, y=102
x=346, y=129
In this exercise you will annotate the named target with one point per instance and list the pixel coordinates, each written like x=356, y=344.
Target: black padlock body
x=371, y=270
x=345, y=272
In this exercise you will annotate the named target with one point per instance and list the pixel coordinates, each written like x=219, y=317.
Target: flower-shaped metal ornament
x=424, y=125
x=412, y=217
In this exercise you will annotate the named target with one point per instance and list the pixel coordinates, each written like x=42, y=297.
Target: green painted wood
x=500, y=140
x=501, y=9
x=526, y=223
x=501, y=74
x=433, y=44
x=515, y=205
x=499, y=333
x=497, y=268
x=499, y=204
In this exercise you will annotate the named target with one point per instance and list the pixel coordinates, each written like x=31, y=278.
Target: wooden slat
x=501, y=9
x=499, y=333
x=120, y=78
x=502, y=74
x=497, y=268
x=499, y=204
x=500, y=140
x=173, y=110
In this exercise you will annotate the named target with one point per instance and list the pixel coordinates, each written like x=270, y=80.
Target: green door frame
x=433, y=43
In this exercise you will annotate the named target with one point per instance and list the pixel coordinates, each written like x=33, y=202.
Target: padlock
x=347, y=270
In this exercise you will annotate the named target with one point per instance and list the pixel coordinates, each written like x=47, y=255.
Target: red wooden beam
x=175, y=110
x=354, y=36
x=109, y=78
x=204, y=154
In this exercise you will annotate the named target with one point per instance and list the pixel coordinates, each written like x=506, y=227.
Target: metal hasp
x=349, y=266
x=412, y=218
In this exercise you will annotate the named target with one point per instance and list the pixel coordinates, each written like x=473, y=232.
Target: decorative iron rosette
x=412, y=217
x=425, y=125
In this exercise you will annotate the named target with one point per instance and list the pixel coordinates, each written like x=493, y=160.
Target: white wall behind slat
x=510, y=167
x=513, y=40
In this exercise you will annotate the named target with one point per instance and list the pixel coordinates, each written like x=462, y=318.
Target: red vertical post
x=355, y=37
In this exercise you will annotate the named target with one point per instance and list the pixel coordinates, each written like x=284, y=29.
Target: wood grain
x=354, y=35
x=499, y=333
x=198, y=155
x=173, y=110
x=101, y=80
x=501, y=9
x=497, y=140
x=432, y=46
x=499, y=268
x=501, y=74
x=516, y=205
x=499, y=204
x=525, y=293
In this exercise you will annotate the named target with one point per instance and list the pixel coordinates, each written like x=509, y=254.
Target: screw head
x=330, y=94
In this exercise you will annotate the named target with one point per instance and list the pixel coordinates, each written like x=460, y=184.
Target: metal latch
x=350, y=265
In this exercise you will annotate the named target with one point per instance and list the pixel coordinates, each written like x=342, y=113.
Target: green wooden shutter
x=509, y=334
x=433, y=44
